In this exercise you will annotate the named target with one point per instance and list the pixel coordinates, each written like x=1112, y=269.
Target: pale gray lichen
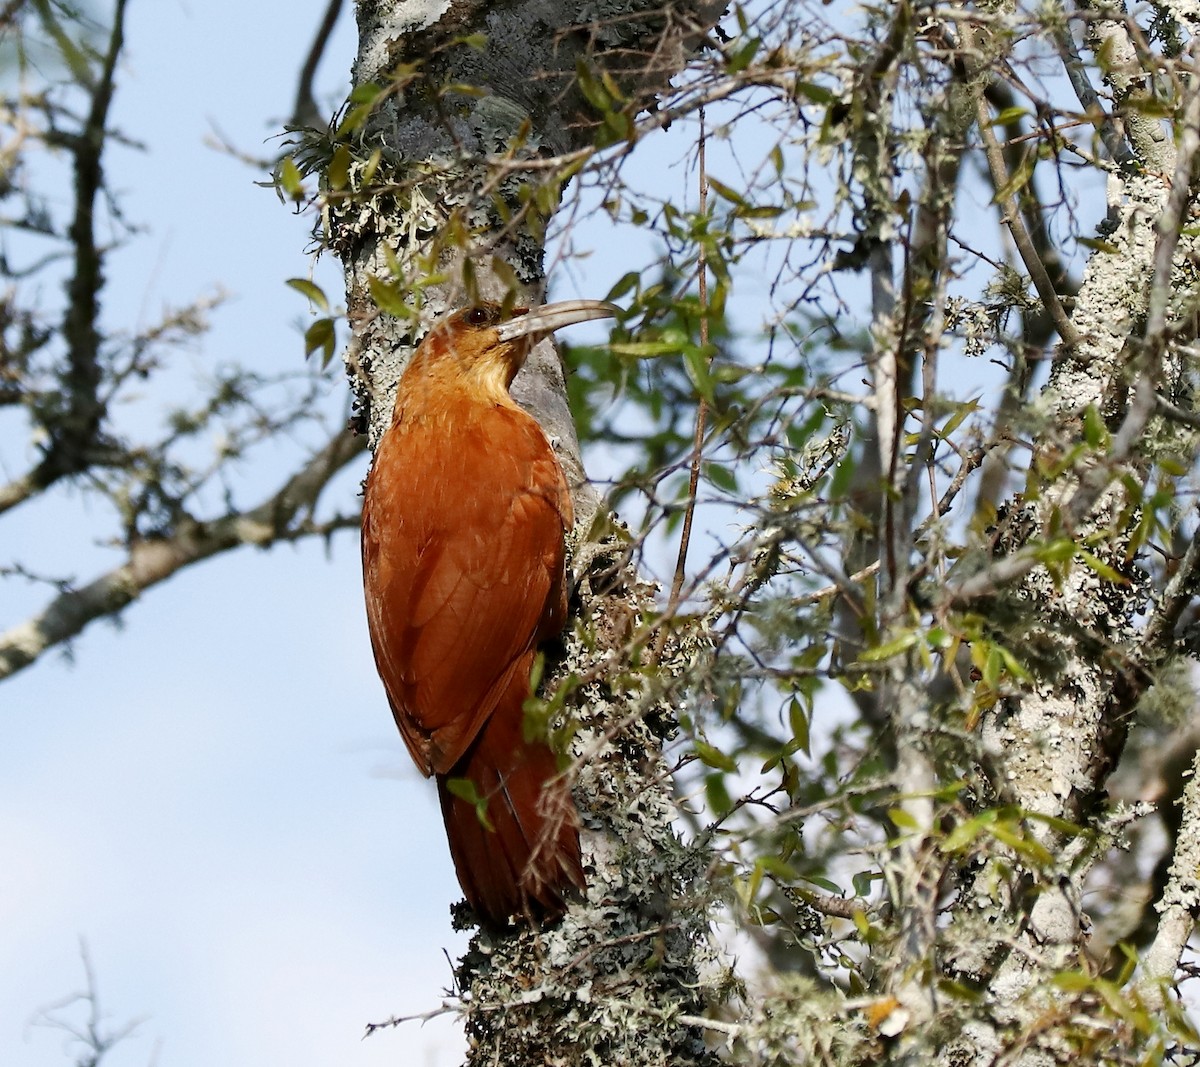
x=397, y=231
x=613, y=980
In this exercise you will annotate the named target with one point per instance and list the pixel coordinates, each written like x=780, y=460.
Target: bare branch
x=1180, y=591
x=1180, y=903
x=94, y=1037
x=74, y=430
x=151, y=561
x=1016, y=226
x=1113, y=140
x=305, y=111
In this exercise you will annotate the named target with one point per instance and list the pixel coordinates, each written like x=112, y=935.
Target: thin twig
x=1016, y=226
x=1177, y=595
x=153, y=560
x=689, y=513
x=304, y=111
x=1177, y=414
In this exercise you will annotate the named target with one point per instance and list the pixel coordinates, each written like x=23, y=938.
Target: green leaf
x=371, y=167
x=717, y=795
x=592, y=90
x=619, y=124
x=993, y=667
x=863, y=880
x=321, y=334
x=72, y=55
x=1060, y=550
x=1022, y=845
x=1072, y=981
x=1096, y=245
x=762, y=211
x=965, y=833
x=726, y=193
x=625, y=284
x=890, y=648
x=644, y=349
x=338, y=174
x=1017, y=181
x=740, y=58
x=1095, y=433
x=289, y=179
x=695, y=362
x=817, y=94
x=464, y=789
x=537, y=672
x=367, y=93
x=354, y=118
x=389, y=298
x=798, y=721
x=776, y=868
x=1103, y=569
x=822, y=883
x=721, y=476
x=464, y=89
x=1062, y=826
x=714, y=757
x=314, y=292
x=1008, y=115
x=957, y=418
x=1012, y=666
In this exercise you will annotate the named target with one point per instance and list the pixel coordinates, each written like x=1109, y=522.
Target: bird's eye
x=477, y=316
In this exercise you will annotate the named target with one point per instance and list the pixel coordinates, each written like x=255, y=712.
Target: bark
x=1053, y=744
x=1180, y=903
x=456, y=208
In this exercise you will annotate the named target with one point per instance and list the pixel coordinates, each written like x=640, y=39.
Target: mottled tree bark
x=1053, y=744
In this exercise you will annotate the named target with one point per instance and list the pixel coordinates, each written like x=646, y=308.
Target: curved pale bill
x=550, y=317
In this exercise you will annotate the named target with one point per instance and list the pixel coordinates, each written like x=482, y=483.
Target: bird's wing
x=462, y=562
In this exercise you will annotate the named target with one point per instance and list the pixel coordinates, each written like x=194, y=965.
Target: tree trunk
x=442, y=196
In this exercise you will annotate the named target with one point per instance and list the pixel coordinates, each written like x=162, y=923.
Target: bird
x=465, y=514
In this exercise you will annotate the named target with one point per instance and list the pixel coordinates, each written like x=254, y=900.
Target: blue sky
x=214, y=796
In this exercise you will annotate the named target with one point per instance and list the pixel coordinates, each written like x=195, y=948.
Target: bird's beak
x=550, y=317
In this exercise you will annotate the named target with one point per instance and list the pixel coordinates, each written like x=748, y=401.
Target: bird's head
x=487, y=344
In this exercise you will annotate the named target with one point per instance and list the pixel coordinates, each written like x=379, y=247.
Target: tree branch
x=153, y=560
x=1180, y=903
x=74, y=428
x=1113, y=140
x=305, y=111
x=1016, y=226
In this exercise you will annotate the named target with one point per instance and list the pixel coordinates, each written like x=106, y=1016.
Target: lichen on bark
x=613, y=981
x=434, y=210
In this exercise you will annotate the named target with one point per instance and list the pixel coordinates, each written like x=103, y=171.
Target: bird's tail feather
x=528, y=860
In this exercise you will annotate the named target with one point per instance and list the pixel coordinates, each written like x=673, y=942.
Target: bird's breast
x=463, y=563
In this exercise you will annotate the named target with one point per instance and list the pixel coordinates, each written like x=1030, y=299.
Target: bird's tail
x=526, y=858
